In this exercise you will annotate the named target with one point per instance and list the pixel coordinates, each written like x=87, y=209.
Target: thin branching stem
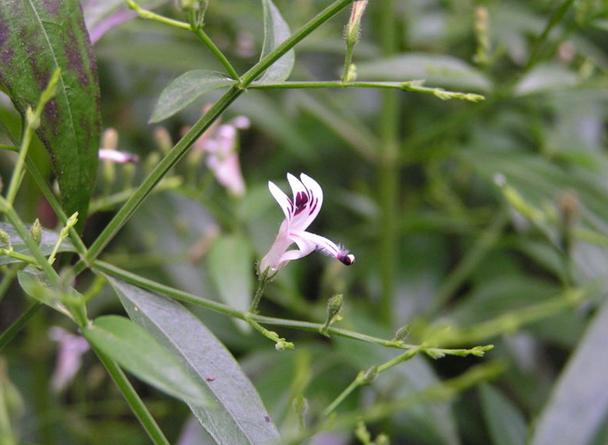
x=182, y=146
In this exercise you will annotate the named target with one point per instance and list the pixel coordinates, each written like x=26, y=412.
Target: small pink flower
x=219, y=143
x=300, y=211
x=69, y=357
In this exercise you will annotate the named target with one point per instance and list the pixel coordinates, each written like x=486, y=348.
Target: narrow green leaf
x=37, y=37
x=436, y=70
x=184, y=90
x=579, y=402
x=137, y=351
x=505, y=423
x=230, y=267
x=276, y=31
x=240, y=416
x=47, y=241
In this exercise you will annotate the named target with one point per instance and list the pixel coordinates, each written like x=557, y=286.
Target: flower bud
x=36, y=231
x=353, y=28
x=334, y=306
x=482, y=22
x=5, y=239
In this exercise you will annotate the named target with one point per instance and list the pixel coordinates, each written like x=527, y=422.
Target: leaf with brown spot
x=36, y=37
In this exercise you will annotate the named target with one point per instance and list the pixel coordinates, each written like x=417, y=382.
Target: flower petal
x=320, y=243
x=281, y=198
x=316, y=198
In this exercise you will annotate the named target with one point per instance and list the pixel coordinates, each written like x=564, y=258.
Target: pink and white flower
x=108, y=151
x=116, y=156
x=300, y=211
x=220, y=143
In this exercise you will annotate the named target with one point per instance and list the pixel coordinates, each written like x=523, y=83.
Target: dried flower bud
x=402, y=333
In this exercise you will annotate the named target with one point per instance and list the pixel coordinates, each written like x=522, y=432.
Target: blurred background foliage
x=500, y=216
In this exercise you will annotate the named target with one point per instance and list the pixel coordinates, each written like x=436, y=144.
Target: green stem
x=9, y=333
x=444, y=390
x=348, y=60
x=8, y=147
x=54, y=203
x=18, y=256
x=342, y=396
x=219, y=55
x=32, y=120
x=414, y=86
x=388, y=170
x=366, y=377
x=149, y=15
x=133, y=400
x=180, y=149
x=293, y=40
x=186, y=297
x=25, y=235
x=203, y=37
x=280, y=343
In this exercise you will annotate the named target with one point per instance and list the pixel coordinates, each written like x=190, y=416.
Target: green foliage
x=186, y=89
x=137, y=351
x=14, y=243
x=460, y=147
x=237, y=415
x=37, y=38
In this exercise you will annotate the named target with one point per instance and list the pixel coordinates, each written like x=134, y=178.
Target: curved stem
x=219, y=55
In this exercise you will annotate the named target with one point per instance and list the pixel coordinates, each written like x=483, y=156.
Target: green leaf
x=34, y=283
x=505, y=423
x=276, y=31
x=230, y=266
x=579, y=402
x=47, y=241
x=184, y=90
x=137, y=351
x=239, y=416
x=436, y=70
x=546, y=77
x=37, y=37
